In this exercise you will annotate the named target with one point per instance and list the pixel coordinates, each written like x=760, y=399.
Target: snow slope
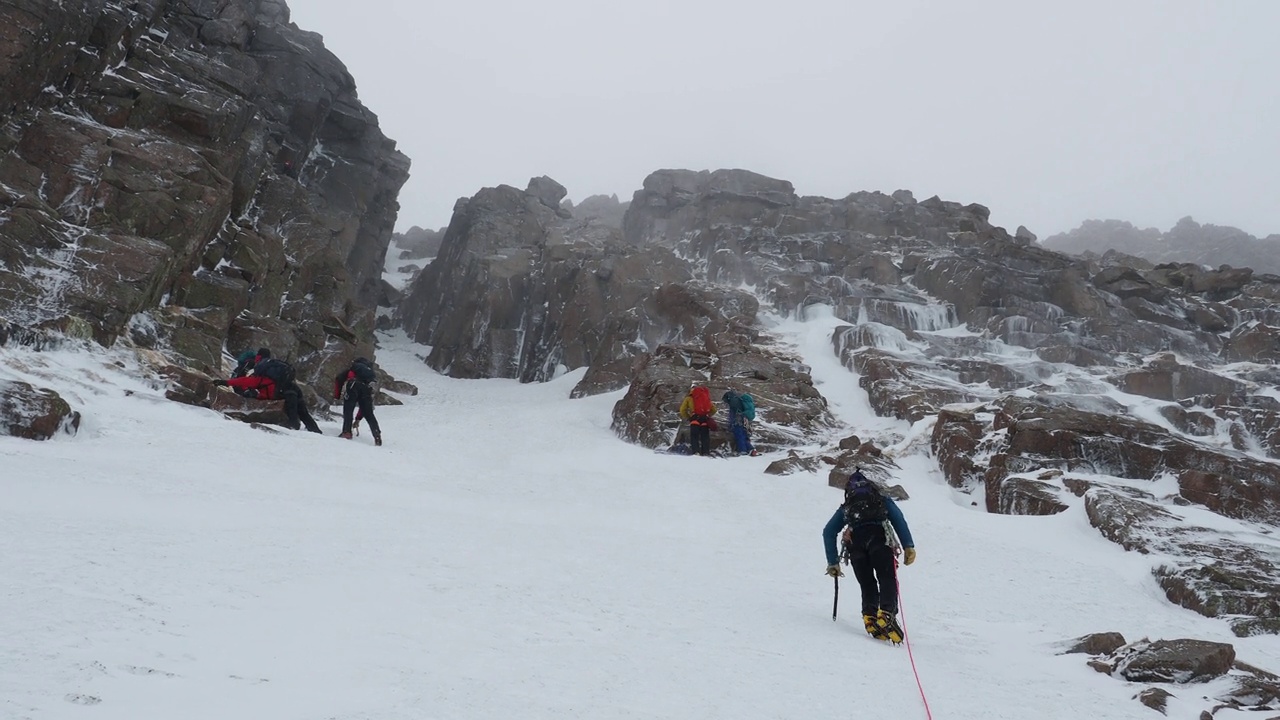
x=504, y=555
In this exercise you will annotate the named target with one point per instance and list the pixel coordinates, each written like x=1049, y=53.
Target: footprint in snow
x=136, y=670
x=81, y=699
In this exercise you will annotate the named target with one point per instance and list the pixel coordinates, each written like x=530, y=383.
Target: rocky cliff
x=1186, y=242
x=190, y=176
x=1041, y=383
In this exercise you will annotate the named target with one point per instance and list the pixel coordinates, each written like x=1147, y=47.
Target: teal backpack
x=748, y=406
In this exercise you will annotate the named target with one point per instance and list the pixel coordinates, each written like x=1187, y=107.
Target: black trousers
x=359, y=394
x=873, y=566
x=296, y=409
x=700, y=439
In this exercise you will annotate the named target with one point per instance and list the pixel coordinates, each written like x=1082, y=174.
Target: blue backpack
x=748, y=406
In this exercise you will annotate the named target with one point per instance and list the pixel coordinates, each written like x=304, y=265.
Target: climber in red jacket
x=273, y=380
x=265, y=387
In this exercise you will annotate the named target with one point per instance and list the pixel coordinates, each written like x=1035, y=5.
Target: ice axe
x=835, y=604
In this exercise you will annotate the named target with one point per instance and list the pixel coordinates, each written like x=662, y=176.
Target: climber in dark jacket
x=355, y=388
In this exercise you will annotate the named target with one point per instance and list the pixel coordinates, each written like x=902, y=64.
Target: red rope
x=906, y=638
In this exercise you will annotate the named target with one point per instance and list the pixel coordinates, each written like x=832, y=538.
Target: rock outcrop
x=416, y=243
x=520, y=291
x=606, y=209
x=189, y=176
x=34, y=413
x=1186, y=242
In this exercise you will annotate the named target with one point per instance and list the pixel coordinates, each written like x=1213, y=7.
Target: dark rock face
x=35, y=413
x=192, y=175
x=519, y=291
x=509, y=280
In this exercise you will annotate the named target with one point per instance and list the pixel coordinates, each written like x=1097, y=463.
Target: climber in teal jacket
x=864, y=511
x=893, y=514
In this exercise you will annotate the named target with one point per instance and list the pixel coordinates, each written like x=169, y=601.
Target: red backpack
x=701, y=401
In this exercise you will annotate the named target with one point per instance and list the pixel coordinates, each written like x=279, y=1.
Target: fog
x=1145, y=110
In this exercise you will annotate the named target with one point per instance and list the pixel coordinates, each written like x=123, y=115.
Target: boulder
x=1096, y=644
x=264, y=412
x=1176, y=661
x=1165, y=378
x=1253, y=342
x=793, y=463
x=1154, y=698
x=1022, y=496
x=35, y=413
x=549, y=193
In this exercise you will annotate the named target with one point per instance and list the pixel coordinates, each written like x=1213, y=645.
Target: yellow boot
x=872, y=623
x=889, y=628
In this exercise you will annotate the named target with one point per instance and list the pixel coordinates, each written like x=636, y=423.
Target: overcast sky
x=1142, y=110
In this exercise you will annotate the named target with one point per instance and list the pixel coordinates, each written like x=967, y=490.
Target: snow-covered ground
x=504, y=555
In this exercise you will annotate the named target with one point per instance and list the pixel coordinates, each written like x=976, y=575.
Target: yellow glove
x=835, y=571
x=908, y=555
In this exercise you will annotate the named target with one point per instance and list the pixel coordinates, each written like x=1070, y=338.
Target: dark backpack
x=748, y=406
x=364, y=373
x=277, y=371
x=863, y=502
